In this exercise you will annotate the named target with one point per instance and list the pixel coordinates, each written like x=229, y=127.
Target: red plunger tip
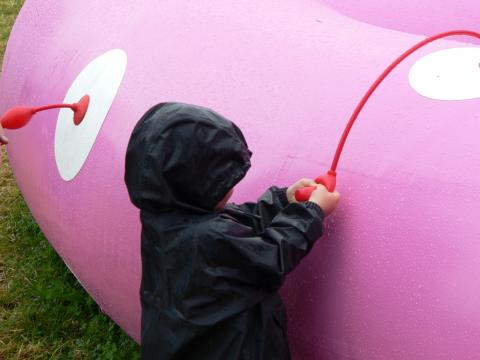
x=80, y=109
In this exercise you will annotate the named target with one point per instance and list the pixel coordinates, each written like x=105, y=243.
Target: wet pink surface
x=397, y=275
x=425, y=17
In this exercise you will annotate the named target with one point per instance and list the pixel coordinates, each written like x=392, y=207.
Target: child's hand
x=298, y=185
x=326, y=200
x=3, y=138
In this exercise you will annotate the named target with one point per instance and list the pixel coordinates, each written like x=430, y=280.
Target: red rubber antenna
x=17, y=117
x=329, y=179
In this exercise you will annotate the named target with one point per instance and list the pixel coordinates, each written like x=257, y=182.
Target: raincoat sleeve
x=267, y=206
x=236, y=254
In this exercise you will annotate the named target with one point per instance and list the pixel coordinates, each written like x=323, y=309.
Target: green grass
x=44, y=311
x=8, y=11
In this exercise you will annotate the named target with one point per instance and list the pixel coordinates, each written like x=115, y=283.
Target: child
x=210, y=272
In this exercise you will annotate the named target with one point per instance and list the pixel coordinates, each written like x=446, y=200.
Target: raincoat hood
x=184, y=156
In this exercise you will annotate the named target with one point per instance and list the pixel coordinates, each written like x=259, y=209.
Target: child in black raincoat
x=210, y=273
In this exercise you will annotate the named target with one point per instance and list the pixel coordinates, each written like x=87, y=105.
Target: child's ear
x=225, y=199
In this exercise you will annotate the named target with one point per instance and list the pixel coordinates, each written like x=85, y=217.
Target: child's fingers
x=306, y=182
x=336, y=196
x=3, y=138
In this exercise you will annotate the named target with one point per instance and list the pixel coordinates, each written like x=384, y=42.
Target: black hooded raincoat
x=210, y=276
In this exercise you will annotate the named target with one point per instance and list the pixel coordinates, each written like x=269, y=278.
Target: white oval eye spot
x=451, y=74
x=100, y=79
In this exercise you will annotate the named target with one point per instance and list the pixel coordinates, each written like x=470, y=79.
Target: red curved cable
x=377, y=82
x=54, y=106
x=17, y=117
x=329, y=179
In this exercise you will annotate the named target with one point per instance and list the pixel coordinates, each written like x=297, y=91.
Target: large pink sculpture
x=397, y=275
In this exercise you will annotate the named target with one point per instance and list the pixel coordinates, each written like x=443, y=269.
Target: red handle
x=304, y=193
x=329, y=180
x=16, y=117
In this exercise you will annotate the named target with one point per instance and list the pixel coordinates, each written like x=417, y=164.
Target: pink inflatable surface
x=397, y=275
x=419, y=17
